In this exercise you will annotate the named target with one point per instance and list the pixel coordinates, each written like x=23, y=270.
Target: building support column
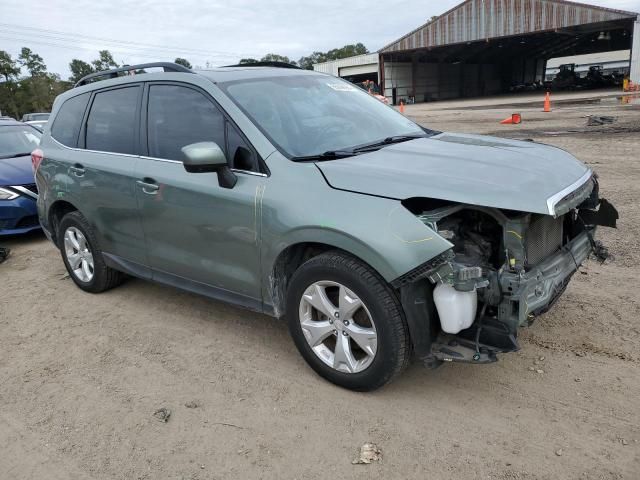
x=635, y=53
x=414, y=73
x=381, y=75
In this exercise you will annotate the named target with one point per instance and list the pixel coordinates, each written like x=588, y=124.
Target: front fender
x=379, y=231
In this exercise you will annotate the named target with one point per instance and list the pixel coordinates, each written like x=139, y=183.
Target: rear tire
x=82, y=256
x=357, y=313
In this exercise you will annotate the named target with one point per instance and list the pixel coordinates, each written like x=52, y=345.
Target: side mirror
x=207, y=157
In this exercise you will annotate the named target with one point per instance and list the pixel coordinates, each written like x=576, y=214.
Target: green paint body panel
x=230, y=238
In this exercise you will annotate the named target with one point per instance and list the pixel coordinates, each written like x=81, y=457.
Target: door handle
x=78, y=170
x=148, y=186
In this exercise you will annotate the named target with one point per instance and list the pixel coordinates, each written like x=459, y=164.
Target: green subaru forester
x=298, y=194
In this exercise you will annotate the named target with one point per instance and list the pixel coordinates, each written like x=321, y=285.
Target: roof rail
x=265, y=64
x=167, y=66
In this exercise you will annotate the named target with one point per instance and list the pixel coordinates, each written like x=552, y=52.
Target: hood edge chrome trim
x=555, y=199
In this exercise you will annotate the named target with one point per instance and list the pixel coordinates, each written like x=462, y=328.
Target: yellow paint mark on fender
x=421, y=240
x=412, y=241
x=515, y=233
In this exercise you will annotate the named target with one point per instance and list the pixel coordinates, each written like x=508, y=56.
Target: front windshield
x=18, y=140
x=306, y=115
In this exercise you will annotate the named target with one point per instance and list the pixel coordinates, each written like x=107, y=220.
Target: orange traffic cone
x=514, y=119
x=547, y=103
x=401, y=106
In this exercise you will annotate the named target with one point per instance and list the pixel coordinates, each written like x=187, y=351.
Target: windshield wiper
x=330, y=155
x=337, y=154
x=388, y=141
x=15, y=155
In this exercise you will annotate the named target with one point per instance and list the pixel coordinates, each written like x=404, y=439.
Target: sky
x=215, y=31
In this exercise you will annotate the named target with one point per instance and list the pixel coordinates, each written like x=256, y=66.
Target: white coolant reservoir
x=457, y=310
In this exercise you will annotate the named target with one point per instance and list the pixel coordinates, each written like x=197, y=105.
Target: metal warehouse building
x=483, y=47
x=356, y=69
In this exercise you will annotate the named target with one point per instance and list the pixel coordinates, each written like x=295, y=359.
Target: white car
x=38, y=120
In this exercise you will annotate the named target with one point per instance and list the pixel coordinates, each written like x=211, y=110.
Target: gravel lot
x=81, y=375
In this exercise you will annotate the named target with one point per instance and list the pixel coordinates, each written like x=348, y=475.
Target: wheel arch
x=57, y=211
x=290, y=257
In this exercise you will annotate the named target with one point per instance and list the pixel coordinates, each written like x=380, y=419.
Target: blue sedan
x=18, y=192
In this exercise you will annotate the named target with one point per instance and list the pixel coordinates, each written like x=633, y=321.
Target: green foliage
x=274, y=57
x=183, y=61
x=104, y=61
x=79, y=69
x=32, y=62
x=37, y=91
x=335, y=54
x=8, y=66
x=30, y=94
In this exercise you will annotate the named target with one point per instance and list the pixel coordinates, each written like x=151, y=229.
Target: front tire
x=347, y=322
x=82, y=256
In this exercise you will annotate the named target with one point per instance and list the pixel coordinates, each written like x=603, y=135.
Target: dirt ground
x=81, y=375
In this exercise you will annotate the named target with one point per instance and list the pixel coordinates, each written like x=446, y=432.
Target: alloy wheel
x=338, y=327
x=78, y=254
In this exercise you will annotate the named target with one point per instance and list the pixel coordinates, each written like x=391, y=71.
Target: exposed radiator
x=544, y=238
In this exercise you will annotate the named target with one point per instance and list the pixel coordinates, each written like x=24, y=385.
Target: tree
x=37, y=93
x=8, y=66
x=274, y=57
x=24, y=94
x=335, y=54
x=105, y=61
x=32, y=62
x=347, y=51
x=244, y=61
x=308, y=62
x=79, y=69
x=183, y=61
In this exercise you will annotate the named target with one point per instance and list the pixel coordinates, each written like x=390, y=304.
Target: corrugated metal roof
x=475, y=20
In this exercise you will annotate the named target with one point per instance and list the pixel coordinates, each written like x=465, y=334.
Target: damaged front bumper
x=526, y=294
x=541, y=255
x=531, y=293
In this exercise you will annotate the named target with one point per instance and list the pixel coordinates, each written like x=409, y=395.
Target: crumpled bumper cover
x=531, y=293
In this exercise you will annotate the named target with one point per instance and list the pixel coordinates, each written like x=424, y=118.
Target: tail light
x=36, y=158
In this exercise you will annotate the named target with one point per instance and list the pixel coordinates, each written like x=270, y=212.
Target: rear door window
x=112, y=121
x=66, y=126
x=179, y=116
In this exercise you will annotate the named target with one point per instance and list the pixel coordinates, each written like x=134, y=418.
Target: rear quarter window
x=66, y=126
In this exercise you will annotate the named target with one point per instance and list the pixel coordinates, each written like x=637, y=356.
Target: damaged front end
x=505, y=268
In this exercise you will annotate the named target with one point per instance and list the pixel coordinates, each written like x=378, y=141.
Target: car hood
x=16, y=171
x=470, y=169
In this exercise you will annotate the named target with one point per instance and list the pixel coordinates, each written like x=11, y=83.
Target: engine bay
x=504, y=269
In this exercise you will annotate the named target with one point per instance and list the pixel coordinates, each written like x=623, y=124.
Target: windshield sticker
x=341, y=87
